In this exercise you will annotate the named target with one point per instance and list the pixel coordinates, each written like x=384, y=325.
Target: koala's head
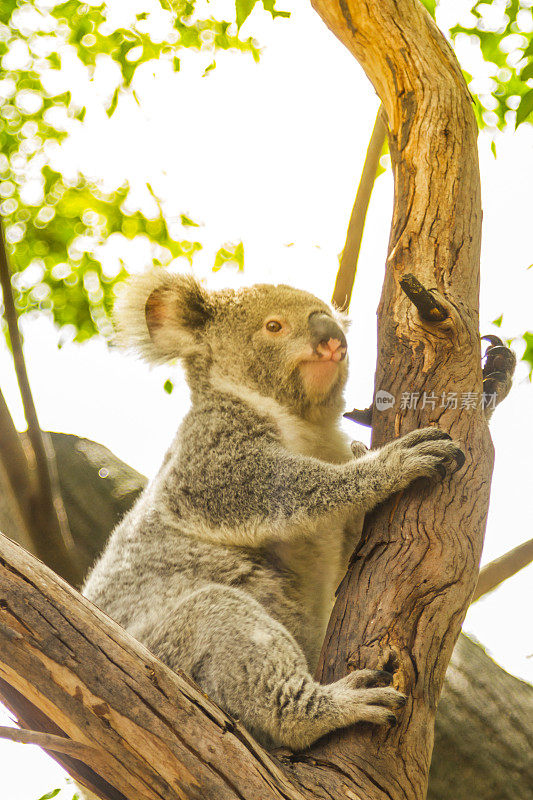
x=281, y=342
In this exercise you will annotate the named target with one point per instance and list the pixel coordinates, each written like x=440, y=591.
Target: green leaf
x=176, y=64
x=49, y=795
x=187, y=222
x=243, y=9
x=111, y=109
x=528, y=352
x=525, y=108
x=230, y=254
x=209, y=68
x=269, y=5
x=6, y=9
x=493, y=148
x=238, y=255
x=527, y=72
x=168, y=386
x=430, y=5
x=498, y=321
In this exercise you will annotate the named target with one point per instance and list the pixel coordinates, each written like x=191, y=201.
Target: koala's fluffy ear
x=162, y=315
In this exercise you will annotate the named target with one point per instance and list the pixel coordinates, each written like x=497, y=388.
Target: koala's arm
x=259, y=489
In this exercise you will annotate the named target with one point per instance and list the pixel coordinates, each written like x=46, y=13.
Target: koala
x=227, y=565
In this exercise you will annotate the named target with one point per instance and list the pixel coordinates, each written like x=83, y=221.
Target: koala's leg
x=251, y=665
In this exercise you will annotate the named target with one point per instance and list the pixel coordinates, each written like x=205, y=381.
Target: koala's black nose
x=327, y=336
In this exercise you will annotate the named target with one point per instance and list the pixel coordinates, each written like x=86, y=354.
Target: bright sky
x=270, y=154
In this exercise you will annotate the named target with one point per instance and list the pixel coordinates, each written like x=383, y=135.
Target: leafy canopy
x=61, y=227
x=57, y=226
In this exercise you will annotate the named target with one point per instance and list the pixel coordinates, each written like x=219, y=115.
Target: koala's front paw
x=426, y=453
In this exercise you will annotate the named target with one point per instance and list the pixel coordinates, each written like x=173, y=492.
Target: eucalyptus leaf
x=525, y=108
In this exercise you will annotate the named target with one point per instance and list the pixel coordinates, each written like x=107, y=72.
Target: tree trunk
x=402, y=603
x=483, y=731
x=405, y=596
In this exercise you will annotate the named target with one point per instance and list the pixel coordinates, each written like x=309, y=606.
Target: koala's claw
x=370, y=678
x=371, y=704
x=459, y=457
x=441, y=469
x=498, y=369
x=358, y=449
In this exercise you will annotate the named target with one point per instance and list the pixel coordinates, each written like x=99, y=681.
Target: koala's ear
x=163, y=316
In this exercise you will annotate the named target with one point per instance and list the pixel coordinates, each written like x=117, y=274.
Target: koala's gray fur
x=227, y=565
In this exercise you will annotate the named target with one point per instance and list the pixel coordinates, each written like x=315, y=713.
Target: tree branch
x=503, y=568
x=348, y=265
x=425, y=302
x=48, y=741
x=66, y=669
x=51, y=533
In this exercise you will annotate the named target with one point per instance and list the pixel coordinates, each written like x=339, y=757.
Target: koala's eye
x=273, y=326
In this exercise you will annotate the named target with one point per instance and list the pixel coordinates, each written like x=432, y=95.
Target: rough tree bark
x=404, y=598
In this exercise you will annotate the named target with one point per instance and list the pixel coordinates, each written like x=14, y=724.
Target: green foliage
x=58, y=228
x=430, y=5
x=528, y=352
x=502, y=30
x=49, y=795
x=88, y=29
x=243, y=9
x=230, y=255
x=58, y=250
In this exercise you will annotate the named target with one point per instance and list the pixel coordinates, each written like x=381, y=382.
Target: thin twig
x=16, y=468
x=348, y=265
x=12, y=455
x=362, y=416
x=503, y=568
x=54, y=533
x=49, y=741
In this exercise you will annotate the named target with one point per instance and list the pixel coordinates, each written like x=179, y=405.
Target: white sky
x=270, y=154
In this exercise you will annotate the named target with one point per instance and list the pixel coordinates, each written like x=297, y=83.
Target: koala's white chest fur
x=316, y=558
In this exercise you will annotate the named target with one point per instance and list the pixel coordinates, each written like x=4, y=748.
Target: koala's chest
x=312, y=566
